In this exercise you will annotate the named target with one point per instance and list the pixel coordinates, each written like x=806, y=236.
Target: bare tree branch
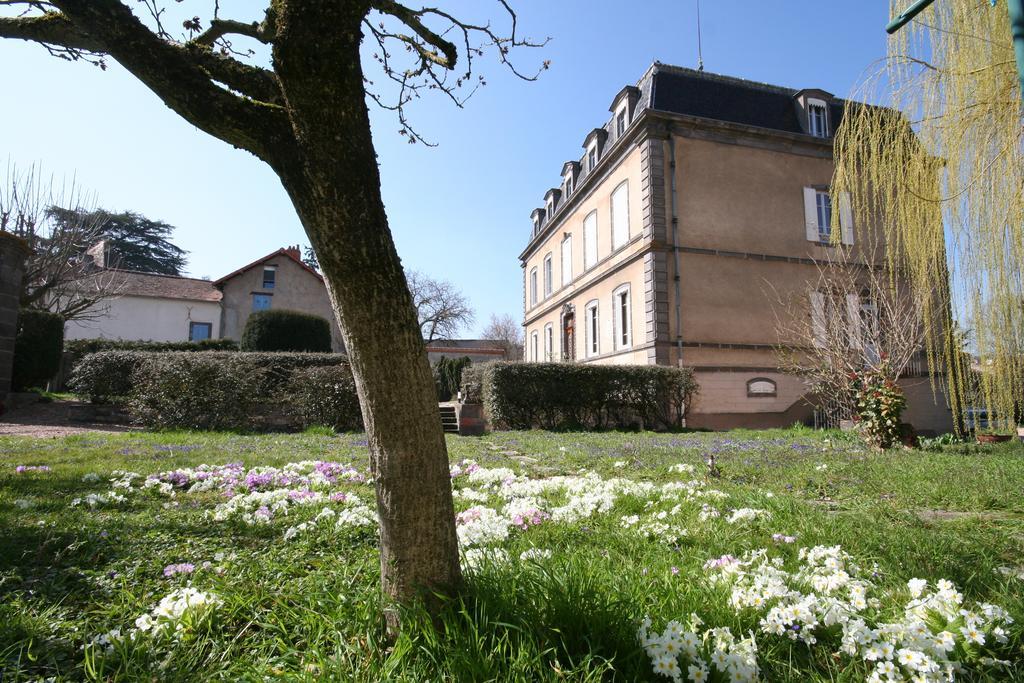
x=442, y=310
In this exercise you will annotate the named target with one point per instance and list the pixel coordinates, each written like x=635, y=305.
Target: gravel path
x=57, y=419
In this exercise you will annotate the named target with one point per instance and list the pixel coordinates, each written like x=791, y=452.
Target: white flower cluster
x=936, y=638
x=95, y=500
x=178, y=612
x=713, y=650
x=260, y=507
x=655, y=527
x=682, y=468
x=480, y=526
x=747, y=515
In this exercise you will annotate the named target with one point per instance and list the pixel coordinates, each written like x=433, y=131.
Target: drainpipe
x=675, y=246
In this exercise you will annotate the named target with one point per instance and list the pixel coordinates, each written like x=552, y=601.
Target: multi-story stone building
x=701, y=196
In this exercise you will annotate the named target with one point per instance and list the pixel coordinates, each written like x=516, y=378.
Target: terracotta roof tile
x=168, y=287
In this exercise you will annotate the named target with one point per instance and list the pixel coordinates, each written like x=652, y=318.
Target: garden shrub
x=82, y=347
x=37, y=348
x=283, y=330
x=325, y=396
x=880, y=403
x=105, y=376
x=448, y=376
x=571, y=396
x=195, y=391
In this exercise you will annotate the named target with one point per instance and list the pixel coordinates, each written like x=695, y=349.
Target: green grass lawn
x=570, y=541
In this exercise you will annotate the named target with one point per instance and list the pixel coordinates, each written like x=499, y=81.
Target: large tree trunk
x=334, y=183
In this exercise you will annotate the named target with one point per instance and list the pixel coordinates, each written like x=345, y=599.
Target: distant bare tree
x=506, y=330
x=60, y=275
x=442, y=310
x=850, y=318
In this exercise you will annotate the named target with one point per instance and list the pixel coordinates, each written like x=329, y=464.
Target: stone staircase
x=449, y=418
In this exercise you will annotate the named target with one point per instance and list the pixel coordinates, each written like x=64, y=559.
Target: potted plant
x=992, y=435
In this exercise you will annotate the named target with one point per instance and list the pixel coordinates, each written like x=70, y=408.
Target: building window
x=622, y=318
x=533, y=287
x=817, y=118
x=199, y=331
x=261, y=302
x=269, y=277
x=567, y=261
x=620, y=123
x=567, y=185
x=551, y=207
x=547, y=276
x=761, y=387
x=549, y=343
x=593, y=331
x=591, y=158
x=590, y=241
x=620, y=216
x=823, y=210
x=533, y=347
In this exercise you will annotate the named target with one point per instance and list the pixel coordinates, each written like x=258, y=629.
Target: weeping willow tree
x=939, y=168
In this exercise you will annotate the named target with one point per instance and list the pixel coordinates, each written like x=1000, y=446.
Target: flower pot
x=993, y=438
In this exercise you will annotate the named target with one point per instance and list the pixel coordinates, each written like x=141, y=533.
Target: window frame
x=533, y=287
x=193, y=325
x=259, y=296
x=592, y=329
x=592, y=157
x=812, y=129
x=593, y=240
x=566, y=272
x=549, y=275
x=624, y=185
x=824, y=231
x=272, y=281
x=533, y=345
x=622, y=328
x=762, y=394
x=549, y=343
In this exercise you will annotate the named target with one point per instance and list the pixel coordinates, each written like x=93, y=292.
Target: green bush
x=325, y=396
x=220, y=390
x=105, y=376
x=195, y=391
x=281, y=330
x=82, y=347
x=448, y=376
x=571, y=396
x=37, y=349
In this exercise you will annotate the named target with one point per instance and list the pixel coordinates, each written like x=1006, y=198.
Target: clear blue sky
x=459, y=211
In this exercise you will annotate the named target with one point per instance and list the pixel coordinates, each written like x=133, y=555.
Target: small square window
x=269, y=278
x=199, y=331
x=261, y=302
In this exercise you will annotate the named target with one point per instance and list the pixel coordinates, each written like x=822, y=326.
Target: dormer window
x=620, y=123
x=591, y=158
x=567, y=186
x=551, y=206
x=817, y=118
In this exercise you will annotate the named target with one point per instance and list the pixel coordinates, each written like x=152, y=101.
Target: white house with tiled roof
x=154, y=307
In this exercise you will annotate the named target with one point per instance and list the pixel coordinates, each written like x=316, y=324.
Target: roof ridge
x=143, y=272
x=712, y=76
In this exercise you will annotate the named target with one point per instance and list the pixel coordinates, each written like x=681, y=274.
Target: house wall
x=137, y=318
x=612, y=270
x=295, y=289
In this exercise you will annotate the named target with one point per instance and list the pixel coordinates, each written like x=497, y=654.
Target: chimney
x=293, y=252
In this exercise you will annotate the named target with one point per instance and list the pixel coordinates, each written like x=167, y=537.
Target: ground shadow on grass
x=530, y=621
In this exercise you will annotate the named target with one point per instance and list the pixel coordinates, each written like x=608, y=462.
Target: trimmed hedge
x=82, y=347
x=283, y=330
x=37, y=349
x=219, y=389
x=325, y=396
x=572, y=396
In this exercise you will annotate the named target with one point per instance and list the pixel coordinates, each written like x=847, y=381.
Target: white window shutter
x=818, y=318
x=853, y=321
x=846, y=217
x=811, y=213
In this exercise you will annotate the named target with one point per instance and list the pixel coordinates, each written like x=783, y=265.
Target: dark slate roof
x=165, y=286
x=723, y=98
